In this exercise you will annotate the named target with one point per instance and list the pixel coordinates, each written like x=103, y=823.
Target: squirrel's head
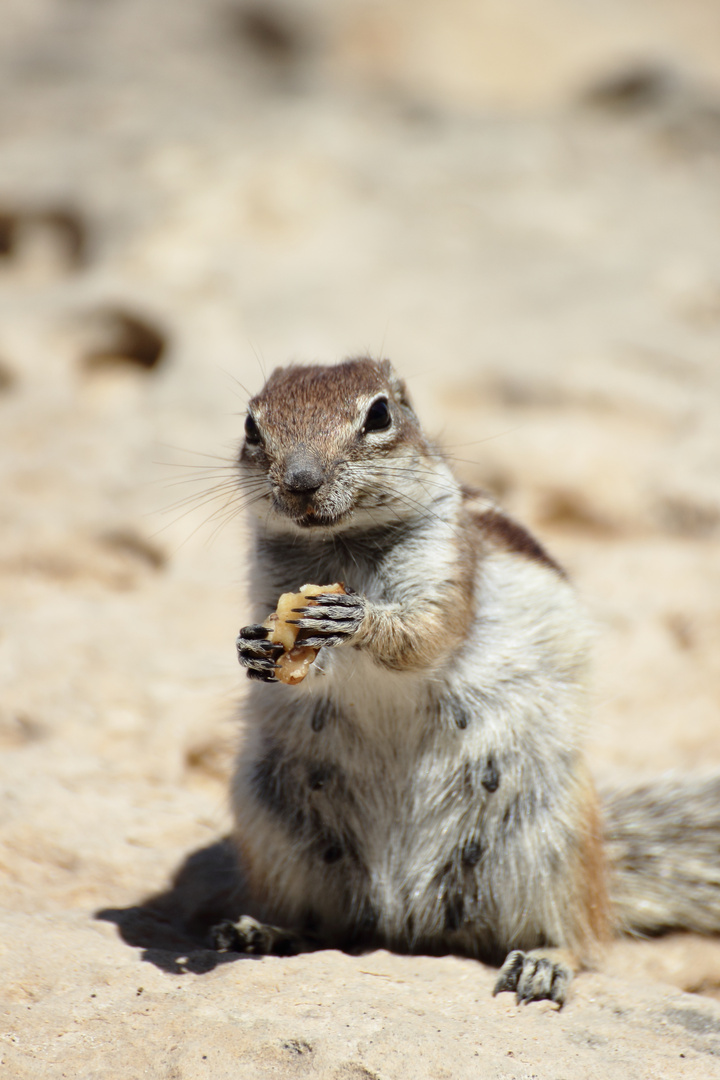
x=333, y=446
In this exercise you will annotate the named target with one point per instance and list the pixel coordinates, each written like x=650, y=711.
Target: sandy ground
x=520, y=205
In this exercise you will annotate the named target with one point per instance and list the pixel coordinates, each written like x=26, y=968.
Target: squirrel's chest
x=375, y=701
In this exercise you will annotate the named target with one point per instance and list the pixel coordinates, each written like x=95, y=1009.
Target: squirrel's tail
x=663, y=848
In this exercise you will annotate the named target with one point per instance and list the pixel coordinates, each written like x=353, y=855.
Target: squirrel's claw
x=331, y=618
x=256, y=654
x=322, y=642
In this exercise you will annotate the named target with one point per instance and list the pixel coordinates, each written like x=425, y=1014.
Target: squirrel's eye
x=252, y=432
x=378, y=417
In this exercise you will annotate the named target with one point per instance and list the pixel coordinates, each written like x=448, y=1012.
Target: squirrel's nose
x=303, y=473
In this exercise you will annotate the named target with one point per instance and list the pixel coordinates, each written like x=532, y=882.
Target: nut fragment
x=294, y=664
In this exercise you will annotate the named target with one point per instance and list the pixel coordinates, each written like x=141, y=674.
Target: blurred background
x=517, y=201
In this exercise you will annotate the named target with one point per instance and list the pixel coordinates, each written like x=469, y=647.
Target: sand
x=518, y=204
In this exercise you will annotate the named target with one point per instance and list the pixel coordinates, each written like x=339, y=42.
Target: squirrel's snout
x=304, y=473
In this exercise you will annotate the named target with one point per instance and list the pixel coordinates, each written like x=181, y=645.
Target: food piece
x=294, y=664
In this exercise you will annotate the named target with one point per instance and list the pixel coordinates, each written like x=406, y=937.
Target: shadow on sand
x=172, y=927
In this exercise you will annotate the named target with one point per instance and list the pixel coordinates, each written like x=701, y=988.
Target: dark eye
x=252, y=432
x=378, y=417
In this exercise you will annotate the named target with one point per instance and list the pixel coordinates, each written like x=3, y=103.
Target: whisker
x=487, y=438
x=231, y=511
x=223, y=520
x=415, y=474
x=230, y=482
x=203, y=469
x=260, y=361
x=201, y=479
x=199, y=498
x=197, y=453
x=235, y=379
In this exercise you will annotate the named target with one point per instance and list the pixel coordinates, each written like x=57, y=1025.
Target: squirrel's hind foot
x=249, y=936
x=535, y=976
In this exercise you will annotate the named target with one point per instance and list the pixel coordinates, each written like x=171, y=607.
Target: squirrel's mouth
x=311, y=519
x=306, y=515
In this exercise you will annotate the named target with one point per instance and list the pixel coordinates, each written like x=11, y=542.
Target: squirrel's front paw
x=256, y=654
x=331, y=619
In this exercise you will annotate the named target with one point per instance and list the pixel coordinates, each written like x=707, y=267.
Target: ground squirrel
x=424, y=789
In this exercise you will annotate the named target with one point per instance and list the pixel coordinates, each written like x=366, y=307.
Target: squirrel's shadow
x=173, y=927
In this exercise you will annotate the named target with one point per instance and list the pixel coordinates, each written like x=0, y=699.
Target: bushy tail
x=663, y=846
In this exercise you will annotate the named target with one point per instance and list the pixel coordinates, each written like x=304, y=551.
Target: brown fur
x=593, y=902
x=501, y=531
x=435, y=628
x=296, y=399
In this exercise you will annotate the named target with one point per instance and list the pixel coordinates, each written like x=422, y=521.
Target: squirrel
x=425, y=788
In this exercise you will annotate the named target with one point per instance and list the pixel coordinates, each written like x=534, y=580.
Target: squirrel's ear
x=397, y=385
